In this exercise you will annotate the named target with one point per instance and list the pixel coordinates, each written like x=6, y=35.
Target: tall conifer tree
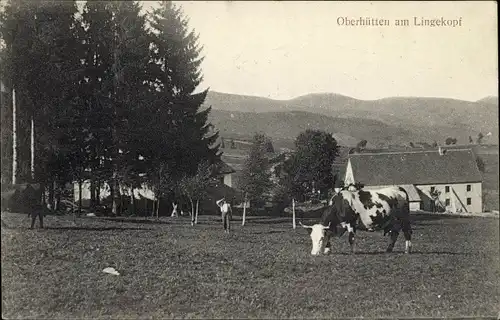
x=177, y=59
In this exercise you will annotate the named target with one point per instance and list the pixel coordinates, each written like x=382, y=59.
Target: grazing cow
x=350, y=187
x=226, y=211
x=386, y=209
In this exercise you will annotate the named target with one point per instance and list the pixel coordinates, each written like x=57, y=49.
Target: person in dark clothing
x=32, y=202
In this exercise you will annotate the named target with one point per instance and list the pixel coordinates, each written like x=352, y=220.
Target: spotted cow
x=383, y=209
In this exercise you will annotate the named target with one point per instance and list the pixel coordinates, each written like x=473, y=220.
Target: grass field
x=170, y=269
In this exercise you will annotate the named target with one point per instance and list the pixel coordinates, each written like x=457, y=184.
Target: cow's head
x=319, y=237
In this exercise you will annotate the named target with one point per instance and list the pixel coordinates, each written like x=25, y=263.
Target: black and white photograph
x=249, y=159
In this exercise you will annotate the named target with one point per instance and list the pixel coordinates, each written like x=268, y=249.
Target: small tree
x=311, y=166
x=436, y=204
x=268, y=146
x=362, y=144
x=195, y=187
x=450, y=140
x=480, y=137
x=289, y=188
x=256, y=174
x=127, y=181
x=470, y=140
x=163, y=185
x=425, y=144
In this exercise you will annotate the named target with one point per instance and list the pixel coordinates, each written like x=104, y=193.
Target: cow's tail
x=406, y=205
x=405, y=212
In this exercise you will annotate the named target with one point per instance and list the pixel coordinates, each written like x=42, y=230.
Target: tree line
x=111, y=92
x=305, y=174
x=450, y=141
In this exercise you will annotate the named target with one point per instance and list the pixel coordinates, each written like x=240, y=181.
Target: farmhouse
x=452, y=175
x=225, y=174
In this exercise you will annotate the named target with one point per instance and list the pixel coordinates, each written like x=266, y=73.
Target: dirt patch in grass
x=263, y=270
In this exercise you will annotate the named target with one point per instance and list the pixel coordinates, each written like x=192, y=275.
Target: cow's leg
x=328, y=247
x=351, y=241
x=33, y=219
x=351, y=231
x=350, y=227
x=394, y=233
x=394, y=236
x=40, y=215
x=407, y=233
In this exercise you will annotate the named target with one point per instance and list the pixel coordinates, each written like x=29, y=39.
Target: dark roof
x=412, y=192
x=224, y=168
x=417, y=167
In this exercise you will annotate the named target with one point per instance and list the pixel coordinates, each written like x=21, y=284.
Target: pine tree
x=130, y=52
x=176, y=54
x=125, y=97
x=97, y=37
x=116, y=58
x=41, y=64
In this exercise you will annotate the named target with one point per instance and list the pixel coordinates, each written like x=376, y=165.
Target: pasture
x=169, y=269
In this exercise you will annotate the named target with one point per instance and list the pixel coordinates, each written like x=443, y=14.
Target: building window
x=469, y=201
x=447, y=202
x=447, y=189
x=469, y=188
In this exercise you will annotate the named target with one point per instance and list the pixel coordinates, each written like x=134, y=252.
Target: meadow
x=169, y=269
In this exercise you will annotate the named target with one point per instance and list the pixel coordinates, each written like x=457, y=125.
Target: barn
x=442, y=178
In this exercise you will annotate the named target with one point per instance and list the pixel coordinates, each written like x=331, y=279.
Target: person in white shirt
x=226, y=211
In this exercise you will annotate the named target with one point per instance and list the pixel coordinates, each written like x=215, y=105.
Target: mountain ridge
x=432, y=118
x=485, y=98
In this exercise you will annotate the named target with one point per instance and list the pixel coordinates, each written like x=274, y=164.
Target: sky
x=282, y=50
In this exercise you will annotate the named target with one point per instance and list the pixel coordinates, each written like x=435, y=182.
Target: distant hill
x=490, y=99
x=288, y=125
x=391, y=120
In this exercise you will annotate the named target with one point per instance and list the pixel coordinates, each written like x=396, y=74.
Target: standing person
x=32, y=202
x=226, y=212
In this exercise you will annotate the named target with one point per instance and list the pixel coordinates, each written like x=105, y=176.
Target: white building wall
x=86, y=190
x=457, y=196
x=376, y=187
x=228, y=180
x=415, y=206
x=143, y=192
x=349, y=176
